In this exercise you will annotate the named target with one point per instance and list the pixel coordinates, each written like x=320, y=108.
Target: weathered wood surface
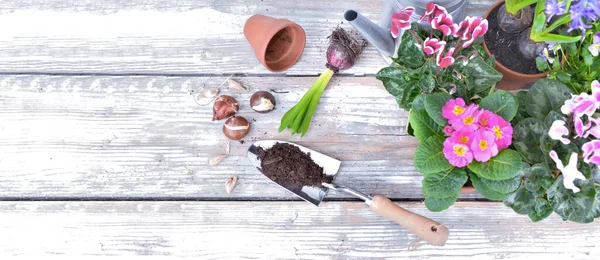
x=134, y=137
x=165, y=36
x=280, y=230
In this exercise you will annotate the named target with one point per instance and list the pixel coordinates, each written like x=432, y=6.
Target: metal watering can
x=379, y=34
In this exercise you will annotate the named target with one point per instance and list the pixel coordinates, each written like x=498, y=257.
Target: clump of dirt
x=287, y=165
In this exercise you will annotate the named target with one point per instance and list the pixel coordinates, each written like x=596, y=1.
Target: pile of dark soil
x=287, y=165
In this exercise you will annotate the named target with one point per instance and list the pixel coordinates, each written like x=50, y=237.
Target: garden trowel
x=425, y=228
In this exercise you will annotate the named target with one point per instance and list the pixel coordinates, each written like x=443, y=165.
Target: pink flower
x=470, y=29
x=445, y=60
x=448, y=130
x=591, y=152
x=468, y=120
x=596, y=90
x=580, y=128
x=503, y=132
x=465, y=138
x=431, y=11
x=453, y=109
x=457, y=154
x=558, y=130
x=444, y=23
x=433, y=45
x=401, y=20
x=570, y=172
x=594, y=128
x=484, y=145
x=487, y=119
x=579, y=105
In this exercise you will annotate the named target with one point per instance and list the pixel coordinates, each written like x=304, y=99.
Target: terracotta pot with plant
x=444, y=78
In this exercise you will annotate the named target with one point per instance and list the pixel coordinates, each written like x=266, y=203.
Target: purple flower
x=581, y=10
x=554, y=7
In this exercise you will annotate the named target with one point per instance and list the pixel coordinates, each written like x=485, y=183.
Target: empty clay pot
x=277, y=43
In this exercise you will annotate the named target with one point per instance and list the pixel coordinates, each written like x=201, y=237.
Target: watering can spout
x=376, y=35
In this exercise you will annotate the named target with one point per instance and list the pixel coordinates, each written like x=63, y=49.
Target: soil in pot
x=279, y=45
x=287, y=165
x=504, y=47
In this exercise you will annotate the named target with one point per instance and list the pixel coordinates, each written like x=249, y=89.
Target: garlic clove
x=216, y=159
x=232, y=84
x=230, y=184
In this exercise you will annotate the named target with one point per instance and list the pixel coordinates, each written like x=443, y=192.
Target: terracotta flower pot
x=511, y=80
x=467, y=189
x=277, y=43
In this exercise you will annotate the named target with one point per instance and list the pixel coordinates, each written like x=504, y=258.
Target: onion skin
x=338, y=58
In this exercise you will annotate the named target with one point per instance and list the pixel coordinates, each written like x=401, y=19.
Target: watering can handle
x=425, y=228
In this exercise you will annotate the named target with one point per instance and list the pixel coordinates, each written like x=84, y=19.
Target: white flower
x=570, y=172
x=558, y=130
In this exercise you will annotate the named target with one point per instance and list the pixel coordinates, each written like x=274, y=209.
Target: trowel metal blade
x=311, y=194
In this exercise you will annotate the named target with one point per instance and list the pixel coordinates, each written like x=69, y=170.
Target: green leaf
x=503, y=186
x=542, y=210
x=423, y=125
x=521, y=111
x=409, y=53
x=578, y=207
x=502, y=103
x=485, y=190
x=541, y=64
x=433, y=105
x=429, y=157
x=564, y=77
x=588, y=59
x=526, y=138
x=551, y=117
x=505, y=165
x=426, y=83
x=521, y=201
x=419, y=103
x=400, y=83
x=439, y=204
x=546, y=95
x=444, y=184
x=481, y=75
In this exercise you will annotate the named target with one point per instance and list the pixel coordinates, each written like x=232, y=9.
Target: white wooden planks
x=138, y=136
x=166, y=37
x=280, y=230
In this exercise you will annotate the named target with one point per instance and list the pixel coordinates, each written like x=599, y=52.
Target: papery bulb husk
x=344, y=48
x=224, y=107
x=230, y=184
x=216, y=159
x=232, y=84
x=529, y=48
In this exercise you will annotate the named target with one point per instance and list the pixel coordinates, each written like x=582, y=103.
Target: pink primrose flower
x=453, y=109
x=468, y=121
x=484, y=145
x=457, y=154
x=502, y=132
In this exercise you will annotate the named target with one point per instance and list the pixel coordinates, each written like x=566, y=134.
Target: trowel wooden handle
x=426, y=229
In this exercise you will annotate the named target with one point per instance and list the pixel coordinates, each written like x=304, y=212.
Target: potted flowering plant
x=573, y=63
x=445, y=79
x=518, y=42
x=557, y=134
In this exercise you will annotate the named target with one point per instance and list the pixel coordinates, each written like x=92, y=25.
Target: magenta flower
x=465, y=138
x=596, y=90
x=445, y=60
x=468, y=121
x=453, y=109
x=503, y=132
x=444, y=23
x=591, y=152
x=594, y=128
x=580, y=128
x=457, y=154
x=558, y=130
x=484, y=145
x=401, y=20
x=487, y=119
x=579, y=105
x=433, y=45
x=431, y=11
x=448, y=130
x=470, y=29
x=569, y=172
